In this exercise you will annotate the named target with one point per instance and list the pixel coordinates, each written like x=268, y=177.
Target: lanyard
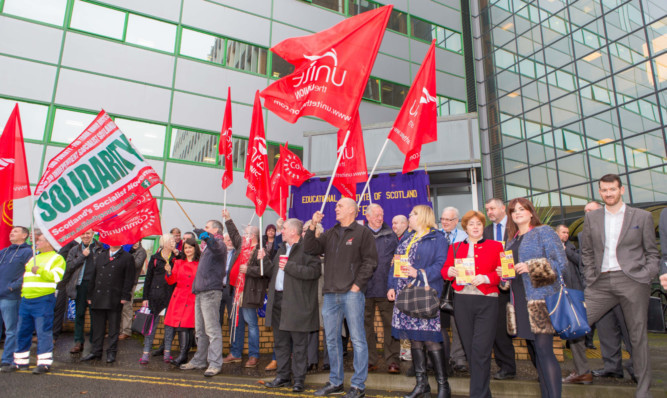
x=413, y=240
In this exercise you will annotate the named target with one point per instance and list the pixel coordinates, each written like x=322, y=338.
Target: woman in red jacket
x=181, y=311
x=476, y=303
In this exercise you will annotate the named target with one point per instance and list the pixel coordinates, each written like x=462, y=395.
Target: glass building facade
x=569, y=91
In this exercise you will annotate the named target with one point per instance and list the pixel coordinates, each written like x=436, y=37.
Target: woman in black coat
x=157, y=291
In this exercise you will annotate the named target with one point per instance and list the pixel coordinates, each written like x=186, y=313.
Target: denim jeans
x=351, y=306
x=9, y=315
x=36, y=315
x=207, y=329
x=249, y=316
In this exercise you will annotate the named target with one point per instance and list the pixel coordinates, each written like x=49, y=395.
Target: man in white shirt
x=620, y=258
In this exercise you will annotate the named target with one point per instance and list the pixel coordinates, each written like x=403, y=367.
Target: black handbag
x=143, y=322
x=447, y=298
x=418, y=301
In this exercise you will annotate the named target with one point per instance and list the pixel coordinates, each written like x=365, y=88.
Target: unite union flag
x=225, y=144
x=257, y=164
x=331, y=70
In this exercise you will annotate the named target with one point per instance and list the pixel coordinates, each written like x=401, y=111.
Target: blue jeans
x=351, y=306
x=9, y=315
x=249, y=316
x=36, y=315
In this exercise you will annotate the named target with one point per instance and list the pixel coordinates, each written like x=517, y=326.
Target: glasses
x=448, y=219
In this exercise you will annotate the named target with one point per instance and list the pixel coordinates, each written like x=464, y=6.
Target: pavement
x=524, y=385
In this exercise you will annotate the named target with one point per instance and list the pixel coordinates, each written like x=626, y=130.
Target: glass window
x=67, y=125
x=649, y=185
x=246, y=57
x=193, y=146
x=336, y=5
x=643, y=149
x=33, y=117
x=573, y=170
x=150, y=33
x=148, y=138
x=49, y=11
x=543, y=177
x=202, y=46
x=98, y=20
x=239, y=149
x=280, y=67
x=372, y=90
x=398, y=21
x=393, y=94
x=421, y=29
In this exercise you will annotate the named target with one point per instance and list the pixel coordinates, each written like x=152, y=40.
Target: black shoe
x=277, y=383
x=185, y=343
x=326, y=367
x=91, y=356
x=355, y=393
x=41, y=369
x=111, y=357
x=503, y=375
x=631, y=372
x=603, y=373
x=298, y=387
x=591, y=346
x=158, y=351
x=461, y=368
x=13, y=368
x=329, y=389
x=312, y=368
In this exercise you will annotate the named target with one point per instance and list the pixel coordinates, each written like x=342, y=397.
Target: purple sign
x=396, y=193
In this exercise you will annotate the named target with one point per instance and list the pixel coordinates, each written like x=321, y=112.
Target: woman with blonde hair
x=422, y=254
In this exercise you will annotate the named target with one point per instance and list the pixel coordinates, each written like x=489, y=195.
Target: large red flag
x=139, y=220
x=257, y=164
x=293, y=171
x=225, y=144
x=14, y=183
x=279, y=190
x=331, y=70
x=416, y=123
x=352, y=168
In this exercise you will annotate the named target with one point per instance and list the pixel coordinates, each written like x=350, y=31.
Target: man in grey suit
x=620, y=258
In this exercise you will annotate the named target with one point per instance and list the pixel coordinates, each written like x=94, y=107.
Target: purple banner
x=397, y=194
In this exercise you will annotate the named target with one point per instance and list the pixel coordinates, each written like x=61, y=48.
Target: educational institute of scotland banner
x=397, y=194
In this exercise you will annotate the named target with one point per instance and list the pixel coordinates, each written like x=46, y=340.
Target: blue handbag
x=567, y=311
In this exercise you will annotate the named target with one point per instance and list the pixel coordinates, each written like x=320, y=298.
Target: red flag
x=331, y=70
x=257, y=164
x=225, y=144
x=278, y=188
x=416, y=123
x=293, y=171
x=352, y=168
x=140, y=220
x=14, y=183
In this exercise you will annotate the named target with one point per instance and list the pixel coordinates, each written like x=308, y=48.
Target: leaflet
x=507, y=265
x=466, y=270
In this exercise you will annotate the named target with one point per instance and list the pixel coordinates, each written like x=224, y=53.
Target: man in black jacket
x=80, y=270
x=207, y=288
x=294, y=279
x=109, y=289
x=350, y=257
x=376, y=293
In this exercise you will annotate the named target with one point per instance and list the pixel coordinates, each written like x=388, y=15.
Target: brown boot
x=77, y=349
x=252, y=362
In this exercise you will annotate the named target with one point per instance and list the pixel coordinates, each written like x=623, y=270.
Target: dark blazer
x=112, y=280
x=490, y=234
x=636, y=251
x=300, y=307
x=572, y=275
x=256, y=283
x=156, y=289
x=385, y=243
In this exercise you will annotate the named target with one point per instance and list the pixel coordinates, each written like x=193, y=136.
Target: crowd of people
x=337, y=278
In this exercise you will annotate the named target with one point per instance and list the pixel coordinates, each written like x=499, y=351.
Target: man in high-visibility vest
x=42, y=274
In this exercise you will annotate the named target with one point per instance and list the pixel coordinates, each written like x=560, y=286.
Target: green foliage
x=545, y=214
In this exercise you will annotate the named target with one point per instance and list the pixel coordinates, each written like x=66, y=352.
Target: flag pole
x=261, y=246
x=32, y=229
x=333, y=175
x=179, y=205
x=377, y=161
x=251, y=218
x=224, y=204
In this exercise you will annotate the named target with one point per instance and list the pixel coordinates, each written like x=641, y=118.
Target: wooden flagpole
x=179, y=205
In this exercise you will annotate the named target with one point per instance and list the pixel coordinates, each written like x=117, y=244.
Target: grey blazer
x=637, y=252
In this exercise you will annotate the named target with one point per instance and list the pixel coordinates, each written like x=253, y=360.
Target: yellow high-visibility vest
x=51, y=267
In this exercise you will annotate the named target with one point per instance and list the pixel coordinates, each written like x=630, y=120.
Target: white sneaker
x=211, y=371
x=190, y=366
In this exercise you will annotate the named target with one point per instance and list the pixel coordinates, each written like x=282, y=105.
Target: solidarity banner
x=397, y=194
x=98, y=175
x=141, y=219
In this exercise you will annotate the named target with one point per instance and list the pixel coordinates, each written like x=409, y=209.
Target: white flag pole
x=32, y=230
x=224, y=204
x=377, y=161
x=340, y=156
x=261, y=246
